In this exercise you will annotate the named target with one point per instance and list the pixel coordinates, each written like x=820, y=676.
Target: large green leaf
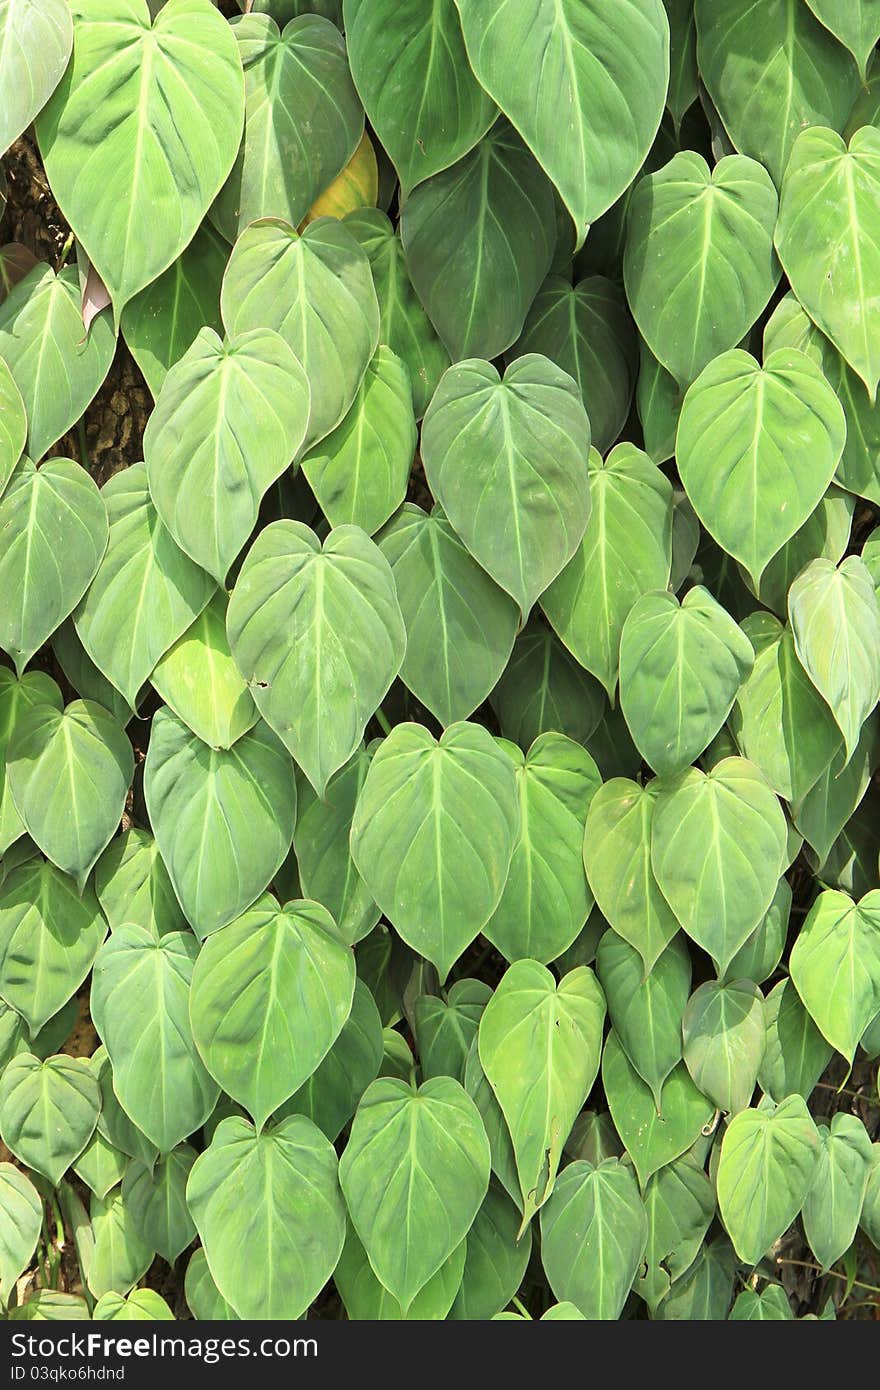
x=141, y=1305
x=478, y=240
x=601, y=69
x=69, y=773
x=827, y=240
x=17, y=697
x=270, y=993
x=771, y=71
x=681, y=666
x=723, y=1031
x=757, y=448
x=718, y=848
x=445, y=1028
x=302, y=122
x=795, y=1052
x=112, y=136
x=198, y=678
x=505, y=458
x=617, y=858
x=539, y=1047
x=158, y=1075
x=228, y=421
x=49, y=937
x=646, y=1007
x=119, y=1256
x=546, y=898
x=460, y=626
x=700, y=265
x=680, y=1204
x=316, y=290
x=780, y=722
x=835, y=966
x=414, y=1173
x=146, y=591
x=48, y=1111
x=544, y=690
x=367, y=1300
x=223, y=819
x=156, y=1199
x=403, y=323
x=411, y=70
x=835, y=619
x=270, y=1215
x=114, y=1125
x=36, y=37
x=433, y=834
x=44, y=513
x=333, y=1091
x=768, y=1160
x=833, y=1204
x=625, y=552
x=653, y=1135
x=586, y=330
x=22, y=1213
x=856, y=25
x=359, y=472
x=593, y=1234
x=319, y=637
x=13, y=424
x=323, y=856
x=133, y=886
x=706, y=1290
x=204, y=1299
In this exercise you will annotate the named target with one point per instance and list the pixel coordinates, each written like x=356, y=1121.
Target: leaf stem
x=382, y=721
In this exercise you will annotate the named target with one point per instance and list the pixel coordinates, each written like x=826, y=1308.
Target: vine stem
x=383, y=722
x=831, y=1274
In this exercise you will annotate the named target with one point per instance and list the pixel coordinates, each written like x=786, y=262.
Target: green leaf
x=18, y=697
x=404, y=325
x=246, y=402
x=723, y=1031
x=111, y=136
x=505, y=458
x=42, y=341
x=411, y=70
x=830, y=803
x=543, y=690
x=771, y=71
x=683, y=76
x=69, y=773
x=48, y=1306
x=827, y=227
x=681, y=666
x=680, y=1204
x=36, y=37
x=546, y=899
x=318, y=635
x=200, y=681
x=478, y=240
x=146, y=591
x=158, y=1075
x=270, y=993
x=870, y=1217
x=48, y=1111
x=734, y=450
x=646, y=1007
x=120, y=1256
x=302, y=121
x=706, y=1291
x=728, y=818
x=460, y=626
x=835, y=966
x=795, y=1052
x=321, y=841
x=367, y=1300
x=156, y=1201
x=617, y=857
x=100, y=1165
x=478, y=1088
x=359, y=472
x=49, y=937
x=653, y=1135
x=758, y=958
x=113, y=1123
x=316, y=290
x=834, y=1202
x=699, y=265
x=771, y=1305
x=445, y=1029
x=586, y=330
x=414, y=1174
x=835, y=618
x=780, y=722
x=433, y=833
x=593, y=1235
x=857, y=27
x=204, y=1299
x=13, y=424
x=141, y=1305
x=658, y=400
x=495, y=1261
x=84, y=675
x=605, y=65
x=133, y=886
x=40, y=511
x=223, y=819
x=539, y=1046
x=625, y=552
x=22, y=1213
x=768, y=1161
x=333, y=1091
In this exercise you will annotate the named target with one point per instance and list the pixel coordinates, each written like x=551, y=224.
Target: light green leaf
x=223, y=819
x=13, y=424
x=653, y=1135
x=158, y=1075
x=141, y=1305
x=155, y=1198
x=505, y=458
x=795, y=1052
x=433, y=834
x=857, y=26
x=495, y=1261
x=36, y=37
x=133, y=886
x=42, y=512
x=318, y=635
x=112, y=140
x=723, y=1031
x=48, y=1111
x=445, y=1028
x=200, y=681
x=680, y=1204
x=333, y=1091
x=645, y=1007
x=539, y=1047
x=834, y=1202
x=768, y=1161
x=835, y=966
x=367, y=1300
x=544, y=690
x=100, y=1165
x=22, y=1213
x=17, y=697
x=321, y=842
x=771, y=1305
x=699, y=265
x=204, y=1299
x=593, y=1235
x=830, y=803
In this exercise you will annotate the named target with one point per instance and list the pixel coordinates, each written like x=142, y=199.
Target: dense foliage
x=439, y=761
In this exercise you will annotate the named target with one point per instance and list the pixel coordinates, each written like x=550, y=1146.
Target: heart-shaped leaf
x=22, y=1220
x=141, y=1305
x=17, y=697
x=593, y=1234
x=156, y=1200
x=646, y=1007
x=36, y=37
x=834, y=1202
x=333, y=1091
x=48, y=1111
x=323, y=856
x=723, y=1030
x=857, y=26
x=653, y=1135
x=198, y=678
x=13, y=424
x=768, y=1161
x=835, y=966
